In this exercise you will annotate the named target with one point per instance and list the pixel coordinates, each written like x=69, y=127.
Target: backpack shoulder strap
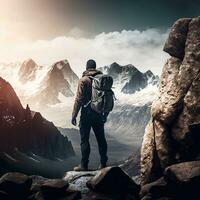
x=88, y=103
x=93, y=78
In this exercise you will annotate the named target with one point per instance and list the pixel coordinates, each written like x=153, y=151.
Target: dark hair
x=91, y=64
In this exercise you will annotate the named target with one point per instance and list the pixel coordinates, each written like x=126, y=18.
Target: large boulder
x=113, y=180
x=15, y=185
x=180, y=181
x=172, y=134
x=186, y=172
x=185, y=179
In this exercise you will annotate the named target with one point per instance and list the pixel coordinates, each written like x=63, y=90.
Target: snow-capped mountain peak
x=27, y=71
x=128, y=78
x=62, y=64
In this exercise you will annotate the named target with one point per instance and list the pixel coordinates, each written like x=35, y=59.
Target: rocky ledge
x=108, y=184
x=179, y=182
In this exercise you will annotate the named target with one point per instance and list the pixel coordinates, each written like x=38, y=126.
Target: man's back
x=89, y=118
x=84, y=91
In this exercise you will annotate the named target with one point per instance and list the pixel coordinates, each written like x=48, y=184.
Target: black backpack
x=102, y=100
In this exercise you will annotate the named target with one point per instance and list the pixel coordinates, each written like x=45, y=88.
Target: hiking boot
x=101, y=166
x=80, y=168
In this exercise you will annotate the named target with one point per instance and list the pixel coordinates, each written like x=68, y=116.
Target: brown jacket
x=84, y=91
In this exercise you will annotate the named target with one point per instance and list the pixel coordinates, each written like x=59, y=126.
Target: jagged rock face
x=136, y=82
x=10, y=106
x=139, y=81
x=28, y=131
x=59, y=80
x=130, y=77
x=173, y=134
x=28, y=71
x=68, y=73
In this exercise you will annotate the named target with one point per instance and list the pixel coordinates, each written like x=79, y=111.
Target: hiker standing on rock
x=95, y=98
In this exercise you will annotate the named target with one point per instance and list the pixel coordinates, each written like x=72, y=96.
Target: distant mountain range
x=47, y=85
x=51, y=90
x=58, y=80
x=128, y=78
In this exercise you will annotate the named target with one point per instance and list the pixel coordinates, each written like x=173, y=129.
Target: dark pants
x=90, y=119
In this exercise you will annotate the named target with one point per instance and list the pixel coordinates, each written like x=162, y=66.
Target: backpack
x=102, y=100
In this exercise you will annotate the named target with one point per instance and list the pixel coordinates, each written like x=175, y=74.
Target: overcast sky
x=32, y=28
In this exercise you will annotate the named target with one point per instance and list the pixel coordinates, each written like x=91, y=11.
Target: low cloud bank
x=140, y=48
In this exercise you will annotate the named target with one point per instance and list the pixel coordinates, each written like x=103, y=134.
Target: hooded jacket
x=84, y=91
